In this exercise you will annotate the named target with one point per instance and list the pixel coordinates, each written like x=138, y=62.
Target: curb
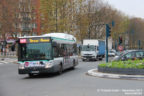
x=95, y=73
x=9, y=60
x=8, y=57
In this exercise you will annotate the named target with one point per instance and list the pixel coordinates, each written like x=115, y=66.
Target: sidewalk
x=8, y=55
x=8, y=60
x=95, y=73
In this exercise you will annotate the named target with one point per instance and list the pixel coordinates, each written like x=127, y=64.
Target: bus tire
x=83, y=60
x=74, y=64
x=95, y=59
x=60, y=69
x=31, y=75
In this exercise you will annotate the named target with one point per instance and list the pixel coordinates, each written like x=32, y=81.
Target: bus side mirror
x=54, y=44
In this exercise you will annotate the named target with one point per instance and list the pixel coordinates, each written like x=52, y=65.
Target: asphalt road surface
x=70, y=83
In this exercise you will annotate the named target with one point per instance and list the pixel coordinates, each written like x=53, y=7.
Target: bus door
x=66, y=57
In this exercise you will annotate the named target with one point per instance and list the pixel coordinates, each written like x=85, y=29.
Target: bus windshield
x=35, y=51
x=88, y=48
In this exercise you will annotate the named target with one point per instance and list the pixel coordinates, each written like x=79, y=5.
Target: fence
x=8, y=54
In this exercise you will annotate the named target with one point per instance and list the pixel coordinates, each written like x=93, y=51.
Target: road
x=70, y=83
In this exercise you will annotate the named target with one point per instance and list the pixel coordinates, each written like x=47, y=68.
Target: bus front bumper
x=36, y=70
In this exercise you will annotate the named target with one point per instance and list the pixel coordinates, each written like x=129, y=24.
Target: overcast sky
x=129, y=7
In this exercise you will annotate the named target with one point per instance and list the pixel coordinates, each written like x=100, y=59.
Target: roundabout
x=95, y=73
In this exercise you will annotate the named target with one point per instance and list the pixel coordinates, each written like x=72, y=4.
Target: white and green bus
x=53, y=52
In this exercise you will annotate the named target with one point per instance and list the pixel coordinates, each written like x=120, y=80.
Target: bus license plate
x=35, y=72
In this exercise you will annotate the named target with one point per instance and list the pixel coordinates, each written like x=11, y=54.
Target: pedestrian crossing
x=7, y=61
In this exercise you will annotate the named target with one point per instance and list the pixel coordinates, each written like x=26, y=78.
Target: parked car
x=130, y=55
x=112, y=53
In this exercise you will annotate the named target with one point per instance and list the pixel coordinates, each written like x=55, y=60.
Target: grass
x=136, y=64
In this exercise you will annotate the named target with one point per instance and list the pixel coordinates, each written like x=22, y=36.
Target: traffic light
x=120, y=40
x=113, y=23
x=108, y=30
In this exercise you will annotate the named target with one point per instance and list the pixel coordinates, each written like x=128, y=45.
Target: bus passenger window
x=55, y=52
x=61, y=50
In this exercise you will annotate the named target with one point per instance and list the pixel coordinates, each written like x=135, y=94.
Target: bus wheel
x=31, y=75
x=95, y=59
x=83, y=60
x=60, y=69
x=74, y=63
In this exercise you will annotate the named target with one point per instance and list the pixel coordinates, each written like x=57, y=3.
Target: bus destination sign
x=35, y=40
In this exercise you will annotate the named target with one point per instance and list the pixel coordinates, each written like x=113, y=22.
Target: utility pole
x=89, y=29
x=38, y=18
x=56, y=16
x=4, y=17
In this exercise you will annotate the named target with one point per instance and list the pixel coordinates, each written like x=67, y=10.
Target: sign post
x=108, y=33
x=120, y=48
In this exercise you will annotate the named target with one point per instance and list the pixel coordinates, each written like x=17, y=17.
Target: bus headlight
x=48, y=65
x=21, y=66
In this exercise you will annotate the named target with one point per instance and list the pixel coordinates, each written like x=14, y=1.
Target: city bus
x=48, y=53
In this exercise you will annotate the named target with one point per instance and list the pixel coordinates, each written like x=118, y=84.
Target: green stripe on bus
x=62, y=39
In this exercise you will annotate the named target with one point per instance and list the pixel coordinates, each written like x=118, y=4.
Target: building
x=28, y=18
x=25, y=22
x=36, y=7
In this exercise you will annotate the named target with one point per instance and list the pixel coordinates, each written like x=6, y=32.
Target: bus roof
x=55, y=35
x=61, y=35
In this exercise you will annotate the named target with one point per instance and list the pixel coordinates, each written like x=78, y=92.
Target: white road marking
x=1, y=63
x=7, y=61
